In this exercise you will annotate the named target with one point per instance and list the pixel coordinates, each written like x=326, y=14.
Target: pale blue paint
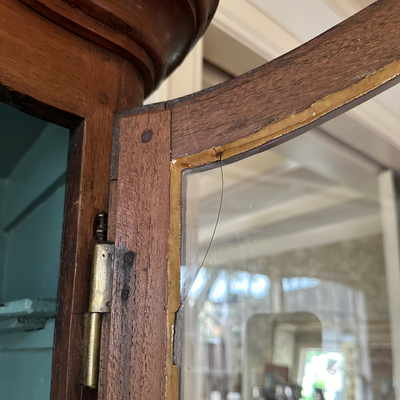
x=32, y=271
x=29, y=340
x=31, y=216
x=42, y=165
x=3, y=239
x=25, y=374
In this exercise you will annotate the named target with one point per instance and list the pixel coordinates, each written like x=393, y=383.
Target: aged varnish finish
x=154, y=35
x=77, y=64
x=138, y=315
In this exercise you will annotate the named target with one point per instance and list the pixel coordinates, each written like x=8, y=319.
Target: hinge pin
x=101, y=230
x=91, y=349
x=99, y=303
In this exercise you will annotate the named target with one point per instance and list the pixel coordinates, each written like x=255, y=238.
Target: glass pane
x=290, y=294
x=33, y=162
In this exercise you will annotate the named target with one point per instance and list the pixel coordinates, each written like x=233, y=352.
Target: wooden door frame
x=77, y=64
x=344, y=67
x=57, y=76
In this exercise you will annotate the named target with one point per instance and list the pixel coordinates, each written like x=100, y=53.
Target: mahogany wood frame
x=54, y=75
x=154, y=35
x=325, y=77
x=76, y=64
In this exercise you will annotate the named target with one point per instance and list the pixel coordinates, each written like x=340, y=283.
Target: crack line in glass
x=184, y=295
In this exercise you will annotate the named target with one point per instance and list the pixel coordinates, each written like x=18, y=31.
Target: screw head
x=102, y=98
x=147, y=135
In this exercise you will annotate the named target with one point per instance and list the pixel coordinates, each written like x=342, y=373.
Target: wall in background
x=33, y=163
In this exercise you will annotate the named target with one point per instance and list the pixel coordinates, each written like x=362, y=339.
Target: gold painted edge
x=174, y=276
x=317, y=110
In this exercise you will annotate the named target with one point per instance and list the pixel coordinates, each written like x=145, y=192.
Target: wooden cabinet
x=80, y=64
x=77, y=65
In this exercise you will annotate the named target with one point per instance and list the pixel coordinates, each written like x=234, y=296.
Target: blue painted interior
x=32, y=190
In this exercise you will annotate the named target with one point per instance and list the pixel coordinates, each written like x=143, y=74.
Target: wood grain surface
x=138, y=321
x=154, y=35
x=103, y=365
x=114, y=85
x=65, y=328
x=52, y=74
x=351, y=53
x=42, y=62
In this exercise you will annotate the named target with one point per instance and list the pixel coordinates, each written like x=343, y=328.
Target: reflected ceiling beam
x=363, y=139
x=259, y=168
x=333, y=233
x=328, y=157
x=376, y=118
x=298, y=207
x=315, y=151
x=354, y=174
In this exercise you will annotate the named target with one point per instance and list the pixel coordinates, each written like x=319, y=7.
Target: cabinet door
x=251, y=261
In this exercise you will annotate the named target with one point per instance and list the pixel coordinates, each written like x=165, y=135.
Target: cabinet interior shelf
x=25, y=315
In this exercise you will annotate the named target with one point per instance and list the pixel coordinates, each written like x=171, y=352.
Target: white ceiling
x=303, y=19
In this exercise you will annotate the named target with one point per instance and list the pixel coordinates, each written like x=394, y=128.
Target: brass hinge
x=99, y=303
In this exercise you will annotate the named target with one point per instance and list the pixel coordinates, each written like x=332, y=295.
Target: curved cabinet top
x=155, y=35
x=330, y=74
x=344, y=66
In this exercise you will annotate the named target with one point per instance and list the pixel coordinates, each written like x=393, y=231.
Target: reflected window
x=219, y=290
x=289, y=284
x=240, y=283
x=199, y=283
x=323, y=375
x=259, y=286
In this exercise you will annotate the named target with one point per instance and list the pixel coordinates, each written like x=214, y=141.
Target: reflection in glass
x=292, y=300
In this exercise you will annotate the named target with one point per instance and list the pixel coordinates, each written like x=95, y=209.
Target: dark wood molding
x=154, y=35
x=43, y=67
x=30, y=105
x=363, y=50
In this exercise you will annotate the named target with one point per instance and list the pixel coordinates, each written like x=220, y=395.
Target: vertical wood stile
x=138, y=334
